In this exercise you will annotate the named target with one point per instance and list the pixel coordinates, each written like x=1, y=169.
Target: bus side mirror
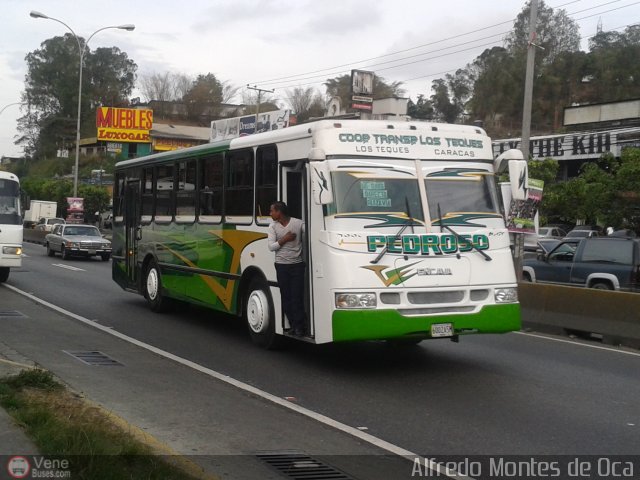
x=321, y=183
x=519, y=179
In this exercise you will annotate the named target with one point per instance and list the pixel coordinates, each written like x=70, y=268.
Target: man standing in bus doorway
x=285, y=239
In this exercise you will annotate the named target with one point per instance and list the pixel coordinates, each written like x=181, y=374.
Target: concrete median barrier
x=32, y=235
x=612, y=316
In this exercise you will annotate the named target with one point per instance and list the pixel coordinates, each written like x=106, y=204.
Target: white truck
x=40, y=209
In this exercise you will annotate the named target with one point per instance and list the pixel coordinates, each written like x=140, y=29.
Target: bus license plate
x=442, y=330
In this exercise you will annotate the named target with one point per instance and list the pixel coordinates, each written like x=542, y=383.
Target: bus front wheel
x=259, y=316
x=4, y=274
x=153, y=289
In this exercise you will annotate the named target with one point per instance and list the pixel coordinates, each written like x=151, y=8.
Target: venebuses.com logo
x=18, y=467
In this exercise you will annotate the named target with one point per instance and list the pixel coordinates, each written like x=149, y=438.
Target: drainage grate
x=11, y=313
x=95, y=359
x=301, y=467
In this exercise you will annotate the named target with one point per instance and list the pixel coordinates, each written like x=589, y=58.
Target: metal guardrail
x=613, y=317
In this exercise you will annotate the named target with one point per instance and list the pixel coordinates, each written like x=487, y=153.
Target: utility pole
x=259, y=90
x=517, y=237
x=528, y=83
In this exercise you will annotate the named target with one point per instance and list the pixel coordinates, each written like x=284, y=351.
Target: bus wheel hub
x=258, y=311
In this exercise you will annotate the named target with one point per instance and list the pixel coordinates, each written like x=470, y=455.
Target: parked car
x=551, y=232
x=105, y=219
x=607, y=263
x=531, y=239
x=583, y=233
x=47, y=224
x=77, y=240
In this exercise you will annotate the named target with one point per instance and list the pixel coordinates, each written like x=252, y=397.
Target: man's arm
x=271, y=239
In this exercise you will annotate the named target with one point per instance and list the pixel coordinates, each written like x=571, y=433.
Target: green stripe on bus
x=385, y=324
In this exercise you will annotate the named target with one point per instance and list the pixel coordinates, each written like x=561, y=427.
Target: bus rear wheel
x=4, y=274
x=153, y=289
x=259, y=316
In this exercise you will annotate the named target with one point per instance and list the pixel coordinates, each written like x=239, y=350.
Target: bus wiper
x=399, y=234
x=460, y=238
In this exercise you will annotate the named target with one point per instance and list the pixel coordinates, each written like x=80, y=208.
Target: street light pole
x=81, y=51
x=10, y=104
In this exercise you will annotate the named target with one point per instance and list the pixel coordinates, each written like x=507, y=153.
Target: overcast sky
x=257, y=41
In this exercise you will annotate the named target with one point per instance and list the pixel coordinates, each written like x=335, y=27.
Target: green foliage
x=545, y=170
x=422, y=109
x=51, y=91
x=606, y=192
x=96, y=198
x=36, y=378
x=206, y=91
x=491, y=88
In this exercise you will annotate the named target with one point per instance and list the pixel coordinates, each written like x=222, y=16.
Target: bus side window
x=266, y=182
x=147, y=194
x=210, y=188
x=164, y=182
x=238, y=207
x=186, y=192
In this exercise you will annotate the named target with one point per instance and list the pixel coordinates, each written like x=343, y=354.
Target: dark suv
x=600, y=262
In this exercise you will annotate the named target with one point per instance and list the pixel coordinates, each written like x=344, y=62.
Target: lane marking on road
x=579, y=344
x=365, y=437
x=68, y=267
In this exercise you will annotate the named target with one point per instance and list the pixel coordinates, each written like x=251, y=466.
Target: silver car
x=77, y=240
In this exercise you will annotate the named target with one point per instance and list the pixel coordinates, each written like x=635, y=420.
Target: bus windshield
x=461, y=192
x=364, y=192
x=9, y=202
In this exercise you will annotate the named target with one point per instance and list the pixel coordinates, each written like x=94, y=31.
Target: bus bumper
x=350, y=325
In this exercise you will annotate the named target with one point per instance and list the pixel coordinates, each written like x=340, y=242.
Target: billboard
x=362, y=90
x=124, y=124
x=229, y=128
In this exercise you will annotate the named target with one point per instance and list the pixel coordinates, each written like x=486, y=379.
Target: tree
x=206, y=91
x=306, y=103
x=422, y=109
x=556, y=32
x=51, y=91
x=157, y=86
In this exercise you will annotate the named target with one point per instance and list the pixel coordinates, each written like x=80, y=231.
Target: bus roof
x=306, y=130
x=8, y=176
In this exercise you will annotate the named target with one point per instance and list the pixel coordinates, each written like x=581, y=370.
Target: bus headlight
x=356, y=300
x=505, y=295
x=12, y=250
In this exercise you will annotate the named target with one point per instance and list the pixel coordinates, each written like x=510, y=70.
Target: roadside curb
x=10, y=428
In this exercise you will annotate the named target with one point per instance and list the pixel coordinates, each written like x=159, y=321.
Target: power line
x=272, y=80
x=292, y=83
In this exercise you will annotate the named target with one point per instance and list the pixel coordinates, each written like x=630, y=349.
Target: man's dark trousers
x=291, y=282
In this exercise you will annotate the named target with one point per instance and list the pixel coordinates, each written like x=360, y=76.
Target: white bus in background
x=405, y=237
x=10, y=224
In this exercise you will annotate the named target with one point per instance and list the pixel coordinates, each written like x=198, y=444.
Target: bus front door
x=132, y=229
x=294, y=193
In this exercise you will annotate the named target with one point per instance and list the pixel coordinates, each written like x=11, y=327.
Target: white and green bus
x=405, y=238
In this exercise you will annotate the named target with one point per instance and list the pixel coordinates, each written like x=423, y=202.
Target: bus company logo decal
x=384, y=219
x=427, y=244
x=395, y=276
x=392, y=276
x=237, y=241
x=459, y=219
